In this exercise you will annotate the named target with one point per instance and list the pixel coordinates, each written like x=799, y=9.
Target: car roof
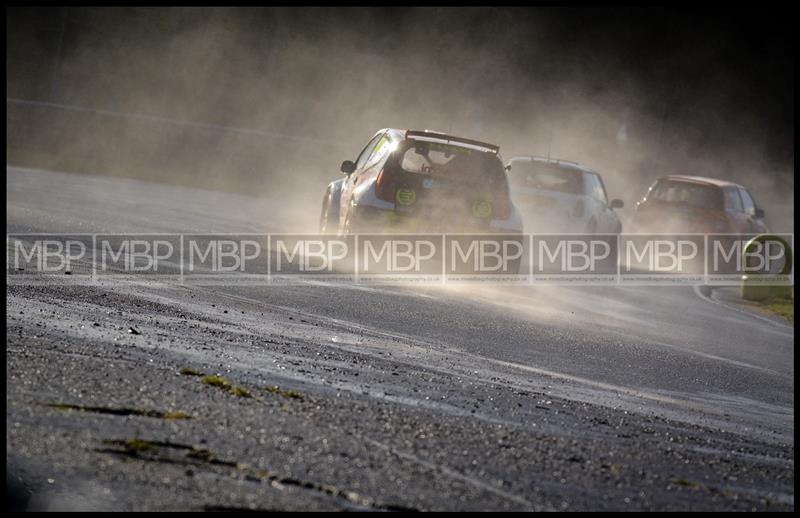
x=566, y=164
x=700, y=179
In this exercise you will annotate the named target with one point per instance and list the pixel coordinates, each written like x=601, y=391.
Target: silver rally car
x=559, y=196
x=424, y=182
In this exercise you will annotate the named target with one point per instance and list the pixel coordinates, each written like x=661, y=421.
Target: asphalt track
x=543, y=398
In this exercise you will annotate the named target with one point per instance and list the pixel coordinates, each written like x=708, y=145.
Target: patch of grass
x=134, y=445
x=217, y=381
x=157, y=414
x=176, y=414
x=241, y=392
x=220, y=382
x=186, y=371
x=291, y=394
x=782, y=307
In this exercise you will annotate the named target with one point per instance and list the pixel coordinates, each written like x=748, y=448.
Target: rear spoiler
x=547, y=158
x=449, y=138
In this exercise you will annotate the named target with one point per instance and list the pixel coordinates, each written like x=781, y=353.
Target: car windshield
x=546, y=176
x=687, y=193
x=450, y=161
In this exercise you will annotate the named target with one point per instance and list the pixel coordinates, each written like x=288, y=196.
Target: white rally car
x=421, y=181
x=560, y=196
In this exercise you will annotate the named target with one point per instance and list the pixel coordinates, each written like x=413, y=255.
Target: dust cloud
x=268, y=102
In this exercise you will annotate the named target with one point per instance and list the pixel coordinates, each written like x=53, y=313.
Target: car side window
x=367, y=152
x=747, y=202
x=595, y=188
x=380, y=151
x=732, y=200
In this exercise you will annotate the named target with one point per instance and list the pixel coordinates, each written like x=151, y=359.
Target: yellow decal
x=406, y=196
x=481, y=209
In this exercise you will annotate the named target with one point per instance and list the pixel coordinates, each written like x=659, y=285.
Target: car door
x=598, y=201
x=352, y=179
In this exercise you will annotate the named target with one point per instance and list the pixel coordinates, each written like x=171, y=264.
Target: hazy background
x=270, y=101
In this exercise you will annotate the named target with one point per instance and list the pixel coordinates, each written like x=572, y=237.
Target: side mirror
x=348, y=166
x=508, y=167
x=617, y=204
x=759, y=213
